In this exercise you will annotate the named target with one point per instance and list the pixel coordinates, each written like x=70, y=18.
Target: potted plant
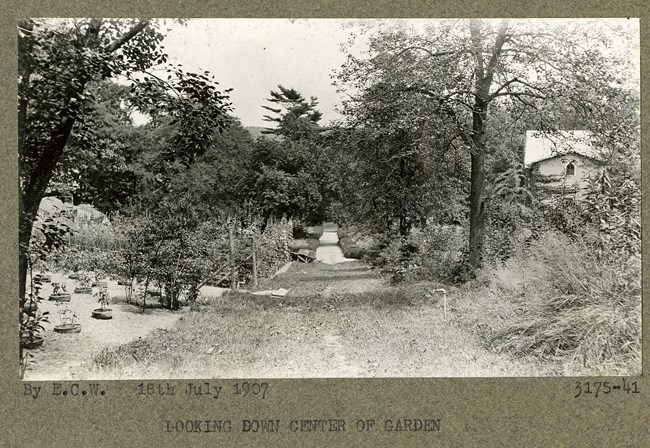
x=68, y=320
x=31, y=322
x=31, y=326
x=103, y=312
x=46, y=239
x=43, y=277
x=84, y=286
x=99, y=280
x=60, y=293
x=30, y=303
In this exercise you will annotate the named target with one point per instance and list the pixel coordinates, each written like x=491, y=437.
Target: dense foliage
x=424, y=172
x=473, y=87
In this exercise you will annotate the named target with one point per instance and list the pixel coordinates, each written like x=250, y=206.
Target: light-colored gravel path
x=329, y=251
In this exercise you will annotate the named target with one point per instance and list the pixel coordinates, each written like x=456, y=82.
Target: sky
x=253, y=56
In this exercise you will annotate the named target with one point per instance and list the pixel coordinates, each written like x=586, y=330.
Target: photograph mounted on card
x=328, y=198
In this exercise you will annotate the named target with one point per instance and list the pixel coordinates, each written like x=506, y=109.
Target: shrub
x=314, y=232
x=273, y=246
x=303, y=231
x=93, y=236
x=299, y=230
x=354, y=243
x=309, y=243
x=350, y=248
x=396, y=259
x=441, y=251
x=432, y=253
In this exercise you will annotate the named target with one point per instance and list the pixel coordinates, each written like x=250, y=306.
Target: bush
x=397, y=259
x=302, y=231
x=94, y=237
x=273, y=246
x=441, y=251
x=309, y=243
x=432, y=253
x=350, y=248
x=315, y=232
x=354, y=243
x=562, y=300
x=299, y=230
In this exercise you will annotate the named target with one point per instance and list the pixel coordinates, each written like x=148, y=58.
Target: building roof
x=546, y=145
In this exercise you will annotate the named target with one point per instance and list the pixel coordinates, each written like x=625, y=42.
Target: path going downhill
x=329, y=251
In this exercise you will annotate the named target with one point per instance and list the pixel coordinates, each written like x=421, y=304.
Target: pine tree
x=295, y=118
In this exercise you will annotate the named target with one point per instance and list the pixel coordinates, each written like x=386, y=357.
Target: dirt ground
x=63, y=354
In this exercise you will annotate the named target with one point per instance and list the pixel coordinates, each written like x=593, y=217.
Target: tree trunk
x=35, y=191
x=34, y=184
x=476, y=206
x=404, y=225
x=484, y=74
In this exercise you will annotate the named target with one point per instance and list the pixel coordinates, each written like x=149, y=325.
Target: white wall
x=554, y=170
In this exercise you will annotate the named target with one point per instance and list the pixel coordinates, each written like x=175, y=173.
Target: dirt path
x=338, y=320
x=63, y=354
x=353, y=324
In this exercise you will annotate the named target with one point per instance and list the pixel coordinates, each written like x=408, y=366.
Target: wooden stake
x=254, y=263
x=233, y=268
x=444, y=300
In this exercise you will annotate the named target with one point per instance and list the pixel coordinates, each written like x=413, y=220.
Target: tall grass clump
x=562, y=300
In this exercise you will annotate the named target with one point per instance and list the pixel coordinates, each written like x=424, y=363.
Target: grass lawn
x=337, y=321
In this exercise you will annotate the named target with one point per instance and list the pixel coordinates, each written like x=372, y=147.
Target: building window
x=570, y=169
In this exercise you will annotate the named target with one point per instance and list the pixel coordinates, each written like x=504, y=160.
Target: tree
x=288, y=173
x=285, y=179
x=404, y=161
x=95, y=167
x=471, y=67
x=295, y=117
x=59, y=59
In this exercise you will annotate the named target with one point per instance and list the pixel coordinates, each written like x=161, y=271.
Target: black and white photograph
x=328, y=198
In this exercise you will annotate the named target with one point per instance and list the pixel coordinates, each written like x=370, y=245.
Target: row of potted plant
x=86, y=283
x=31, y=320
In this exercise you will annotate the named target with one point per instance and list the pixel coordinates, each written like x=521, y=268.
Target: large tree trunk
x=476, y=195
x=484, y=74
x=34, y=184
x=31, y=197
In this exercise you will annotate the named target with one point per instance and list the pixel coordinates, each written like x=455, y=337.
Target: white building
x=562, y=162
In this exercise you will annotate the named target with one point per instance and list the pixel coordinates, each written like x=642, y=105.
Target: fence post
x=233, y=268
x=254, y=262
